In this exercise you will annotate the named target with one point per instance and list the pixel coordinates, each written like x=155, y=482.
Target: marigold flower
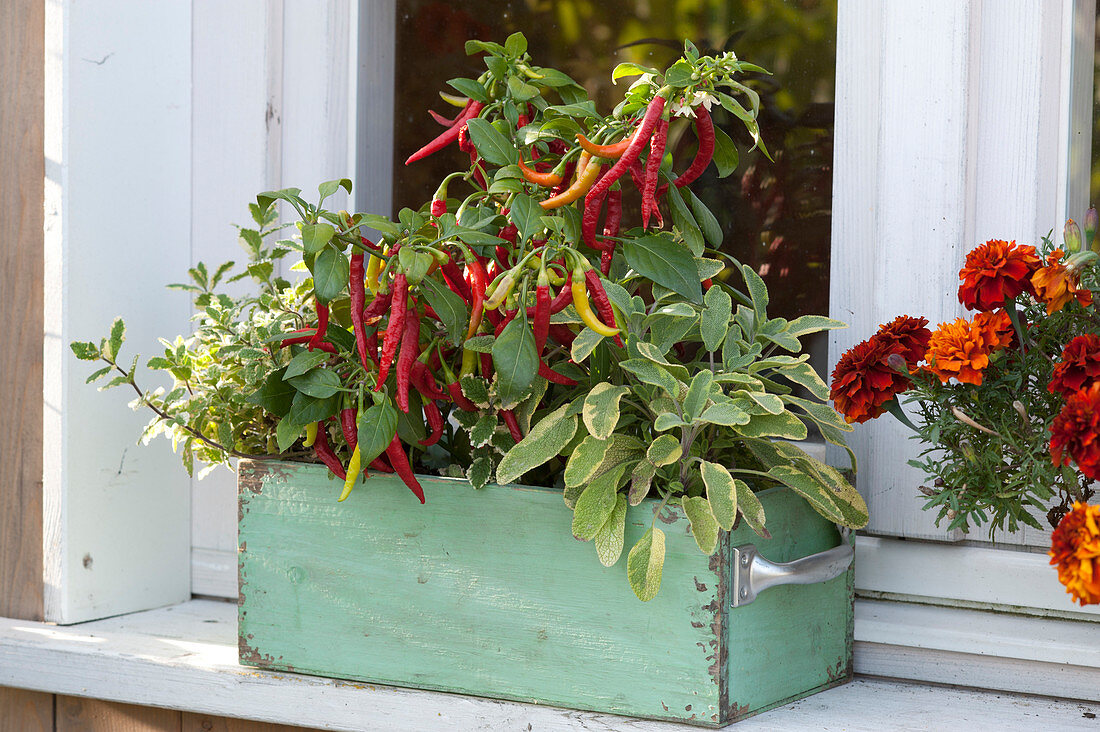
x=1075, y=433
x=907, y=336
x=1056, y=284
x=996, y=271
x=863, y=381
x=1080, y=365
x=1075, y=550
x=961, y=349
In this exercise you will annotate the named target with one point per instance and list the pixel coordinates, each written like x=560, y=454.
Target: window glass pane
x=776, y=216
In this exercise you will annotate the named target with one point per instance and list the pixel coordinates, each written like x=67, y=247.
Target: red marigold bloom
x=996, y=271
x=1075, y=433
x=1080, y=366
x=1056, y=284
x=907, y=336
x=1075, y=550
x=863, y=381
x=961, y=349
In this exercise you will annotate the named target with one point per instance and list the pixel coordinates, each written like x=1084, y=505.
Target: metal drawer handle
x=753, y=573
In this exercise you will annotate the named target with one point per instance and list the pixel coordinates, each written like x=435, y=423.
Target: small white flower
x=699, y=98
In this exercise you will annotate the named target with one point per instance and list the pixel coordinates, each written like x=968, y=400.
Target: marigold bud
x=1021, y=410
x=1072, y=236
x=1092, y=221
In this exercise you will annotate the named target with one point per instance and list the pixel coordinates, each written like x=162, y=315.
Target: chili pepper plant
x=519, y=327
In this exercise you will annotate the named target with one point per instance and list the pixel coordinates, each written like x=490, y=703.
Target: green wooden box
x=488, y=593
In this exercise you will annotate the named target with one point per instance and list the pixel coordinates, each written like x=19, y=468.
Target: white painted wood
x=1004, y=579
x=1076, y=103
x=899, y=211
x=214, y=572
x=374, y=106
x=184, y=657
x=995, y=651
x=118, y=211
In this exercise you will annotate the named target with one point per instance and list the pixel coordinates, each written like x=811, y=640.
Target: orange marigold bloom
x=907, y=336
x=863, y=381
x=961, y=349
x=1075, y=432
x=996, y=271
x=1056, y=284
x=1075, y=550
x=1080, y=366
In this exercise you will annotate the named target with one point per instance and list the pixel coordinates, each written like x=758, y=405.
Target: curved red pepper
x=358, y=294
x=349, y=426
x=395, y=451
x=704, y=130
x=324, y=453
x=513, y=425
x=410, y=349
x=435, y=421
x=460, y=399
x=472, y=110
x=653, y=169
x=395, y=329
x=601, y=301
x=322, y=325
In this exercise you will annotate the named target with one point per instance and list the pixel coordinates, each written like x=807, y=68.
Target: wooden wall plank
x=77, y=714
x=22, y=54
x=208, y=723
x=25, y=711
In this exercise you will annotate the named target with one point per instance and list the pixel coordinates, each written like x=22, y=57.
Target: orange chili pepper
x=547, y=180
x=613, y=151
x=585, y=180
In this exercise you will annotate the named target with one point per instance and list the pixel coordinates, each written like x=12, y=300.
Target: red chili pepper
x=486, y=365
x=380, y=465
x=553, y=376
x=601, y=301
x=546, y=180
x=410, y=349
x=324, y=453
x=566, y=176
x=541, y=324
x=395, y=329
x=513, y=425
x=322, y=346
x=349, y=427
x=377, y=306
x=435, y=421
x=322, y=325
x=638, y=141
x=460, y=400
x=562, y=334
x=612, y=151
x=400, y=462
x=466, y=145
x=560, y=302
x=441, y=119
x=508, y=318
x=707, y=284
x=704, y=130
x=476, y=270
x=424, y=381
x=472, y=110
x=358, y=293
x=653, y=168
x=453, y=275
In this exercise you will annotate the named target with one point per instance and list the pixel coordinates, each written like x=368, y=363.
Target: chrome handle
x=753, y=573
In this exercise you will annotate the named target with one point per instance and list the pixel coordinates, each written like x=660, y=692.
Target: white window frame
x=291, y=78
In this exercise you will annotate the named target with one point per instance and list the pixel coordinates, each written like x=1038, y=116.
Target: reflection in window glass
x=776, y=216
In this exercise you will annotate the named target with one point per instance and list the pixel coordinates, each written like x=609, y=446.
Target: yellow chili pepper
x=374, y=268
x=311, y=434
x=354, y=468
x=586, y=178
x=584, y=308
x=501, y=291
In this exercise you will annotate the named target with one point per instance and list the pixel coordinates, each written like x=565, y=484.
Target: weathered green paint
x=487, y=593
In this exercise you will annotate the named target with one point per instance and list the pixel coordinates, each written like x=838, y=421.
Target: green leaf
x=480, y=344
x=470, y=88
x=708, y=223
x=98, y=374
x=290, y=195
x=115, y=340
x=806, y=324
x=725, y=414
x=489, y=47
x=785, y=425
x=329, y=187
x=520, y=90
x=516, y=45
x=684, y=221
x=303, y=362
x=650, y=373
x=716, y=317
x=601, y=409
x=667, y=421
x=758, y=291
x=305, y=409
x=595, y=505
x=85, y=350
x=479, y=471
x=375, y=430
x=698, y=393
x=640, y=480
x=704, y=527
x=490, y=144
x=525, y=213
x=645, y=563
x=584, y=344
x=679, y=74
x=665, y=450
x=585, y=460
x=475, y=390
x=320, y=383
x=276, y=395
x=629, y=69
x=751, y=509
x=804, y=375
x=819, y=498
x=721, y=492
x=725, y=153
x=666, y=262
x=770, y=403
x=330, y=274
x=516, y=361
x=287, y=433
x=316, y=236
x=483, y=430
x=450, y=307
x=546, y=438
x=609, y=539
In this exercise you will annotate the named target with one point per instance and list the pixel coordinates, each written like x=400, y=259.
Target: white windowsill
x=185, y=657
